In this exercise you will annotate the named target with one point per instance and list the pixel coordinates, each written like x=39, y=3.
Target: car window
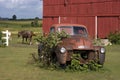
x=67, y=29
x=80, y=31
x=74, y=30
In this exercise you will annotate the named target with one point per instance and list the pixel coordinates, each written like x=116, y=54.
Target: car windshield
x=74, y=30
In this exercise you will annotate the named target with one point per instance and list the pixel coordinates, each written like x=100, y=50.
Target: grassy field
x=15, y=64
x=15, y=26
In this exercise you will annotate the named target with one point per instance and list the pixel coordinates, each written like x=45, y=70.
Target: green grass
x=15, y=26
x=16, y=23
x=15, y=64
x=112, y=60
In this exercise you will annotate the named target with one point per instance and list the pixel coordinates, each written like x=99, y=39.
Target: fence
x=7, y=37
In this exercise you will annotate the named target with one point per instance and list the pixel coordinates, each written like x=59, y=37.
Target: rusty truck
x=79, y=43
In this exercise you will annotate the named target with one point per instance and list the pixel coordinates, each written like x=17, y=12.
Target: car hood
x=77, y=43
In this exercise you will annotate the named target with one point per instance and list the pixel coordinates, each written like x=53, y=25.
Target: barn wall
x=105, y=28
x=84, y=12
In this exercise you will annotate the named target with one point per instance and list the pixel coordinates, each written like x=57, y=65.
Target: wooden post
x=7, y=33
x=96, y=27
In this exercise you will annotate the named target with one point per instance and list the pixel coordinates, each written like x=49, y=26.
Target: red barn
x=100, y=16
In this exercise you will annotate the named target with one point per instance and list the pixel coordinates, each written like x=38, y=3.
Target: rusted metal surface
x=83, y=12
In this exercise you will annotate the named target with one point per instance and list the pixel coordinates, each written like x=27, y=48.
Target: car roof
x=63, y=24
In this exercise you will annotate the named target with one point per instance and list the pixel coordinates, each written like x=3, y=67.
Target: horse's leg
x=30, y=40
x=26, y=39
x=23, y=40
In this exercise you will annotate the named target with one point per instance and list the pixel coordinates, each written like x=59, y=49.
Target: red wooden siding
x=116, y=7
x=83, y=12
x=47, y=22
x=104, y=28
x=68, y=20
x=89, y=22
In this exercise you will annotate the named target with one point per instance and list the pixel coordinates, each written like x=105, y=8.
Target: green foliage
x=94, y=66
x=48, y=44
x=98, y=42
x=76, y=66
x=114, y=37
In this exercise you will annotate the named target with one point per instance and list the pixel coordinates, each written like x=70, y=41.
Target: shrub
x=114, y=37
x=76, y=66
x=98, y=42
x=48, y=45
x=35, y=23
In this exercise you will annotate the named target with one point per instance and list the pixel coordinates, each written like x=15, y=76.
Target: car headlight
x=62, y=50
x=102, y=50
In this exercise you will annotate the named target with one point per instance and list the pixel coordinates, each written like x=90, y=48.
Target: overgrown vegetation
x=114, y=37
x=76, y=66
x=98, y=42
x=46, y=59
x=48, y=44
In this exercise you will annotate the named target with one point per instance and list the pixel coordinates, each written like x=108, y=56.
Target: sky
x=21, y=8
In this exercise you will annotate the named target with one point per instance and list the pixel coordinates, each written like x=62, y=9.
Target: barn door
x=107, y=25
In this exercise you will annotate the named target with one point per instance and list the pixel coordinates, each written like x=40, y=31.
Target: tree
x=14, y=17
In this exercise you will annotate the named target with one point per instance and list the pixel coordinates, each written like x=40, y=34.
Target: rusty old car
x=79, y=43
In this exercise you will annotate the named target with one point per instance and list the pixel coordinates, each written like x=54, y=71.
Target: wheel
x=40, y=48
x=63, y=66
x=101, y=58
x=54, y=58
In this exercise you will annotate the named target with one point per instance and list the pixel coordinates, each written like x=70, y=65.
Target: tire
x=63, y=66
x=39, y=50
x=101, y=58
